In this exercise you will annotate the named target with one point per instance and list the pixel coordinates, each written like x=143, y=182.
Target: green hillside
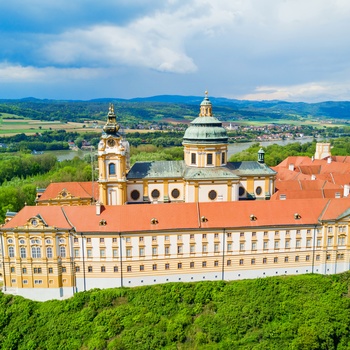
x=294, y=312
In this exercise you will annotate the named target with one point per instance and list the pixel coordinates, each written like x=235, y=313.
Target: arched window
x=49, y=252
x=11, y=252
x=111, y=169
x=23, y=252
x=62, y=251
x=36, y=252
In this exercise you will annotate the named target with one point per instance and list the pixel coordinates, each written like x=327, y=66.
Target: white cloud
x=16, y=73
x=312, y=92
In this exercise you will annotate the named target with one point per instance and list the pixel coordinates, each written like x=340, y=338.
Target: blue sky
x=294, y=50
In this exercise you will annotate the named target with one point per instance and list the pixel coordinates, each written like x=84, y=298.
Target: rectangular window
x=228, y=263
x=253, y=234
x=204, y=264
x=241, y=261
x=23, y=252
x=193, y=158
x=308, y=243
x=287, y=244
x=330, y=229
x=265, y=233
x=115, y=253
x=166, y=250
x=308, y=232
x=154, y=267
x=307, y=258
x=12, y=270
x=287, y=232
x=115, y=269
x=154, y=251
x=204, y=236
x=179, y=237
x=341, y=240
x=329, y=241
x=328, y=257
x=64, y=269
x=167, y=266
x=229, y=234
x=38, y=269
x=216, y=235
x=192, y=248
x=253, y=245
x=166, y=238
x=297, y=258
x=209, y=158
x=266, y=245
x=229, y=247
x=191, y=236
x=128, y=252
x=241, y=246
x=216, y=263
x=319, y=242
x=50, y=270
x=154, y=238
x=38, y=282
x=204, y=248
x=142, y=251
x=128, y=268
x=142, y=267
x=318, y=257
x=252, y=261
x=241, y=234
x=141, y=239
x=102, y=253
x=298, y=243
x=216, y=247
x=103, y=268
x=102, y=240
x=114, y=239
x=286, y=259
x=191, y=264
x=223, y=158
x=277, y=233
x=76, y=239
x=89, y=253
x=76, y=253
x=88, y=240
x=89, y=268
x=277, y=244
x=275, y=259
x=179, y=265
x=24, y=270
x=179, y=249
x=77, y=269
x=264, y=260
x=127, y=239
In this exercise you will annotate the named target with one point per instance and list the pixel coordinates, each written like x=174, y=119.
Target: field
x=11, y=125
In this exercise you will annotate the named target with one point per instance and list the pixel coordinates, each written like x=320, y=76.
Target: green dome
x=207, y=130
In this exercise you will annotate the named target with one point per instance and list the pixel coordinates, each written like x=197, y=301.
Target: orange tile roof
x=52, y=215
x=76, y=189
x=185, y=216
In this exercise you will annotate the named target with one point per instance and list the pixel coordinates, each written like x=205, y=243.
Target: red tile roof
x=185, y=216
x=76, y=189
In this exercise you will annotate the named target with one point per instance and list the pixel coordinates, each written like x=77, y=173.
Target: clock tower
x=113, y=162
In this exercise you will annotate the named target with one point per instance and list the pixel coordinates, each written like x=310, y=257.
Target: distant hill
x=288, y=312
x=166, y=107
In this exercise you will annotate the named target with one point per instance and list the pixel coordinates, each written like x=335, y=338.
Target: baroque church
x=202, y=218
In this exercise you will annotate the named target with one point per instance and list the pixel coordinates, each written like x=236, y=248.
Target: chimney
x=291, y=167
x=98, y=208
x=313, y=177
x=329, y=160
x=346, y=190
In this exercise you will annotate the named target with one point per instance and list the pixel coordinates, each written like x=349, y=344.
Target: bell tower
x=113, y=162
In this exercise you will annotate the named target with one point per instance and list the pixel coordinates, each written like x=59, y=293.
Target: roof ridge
x=66, y=217
x=324, y=210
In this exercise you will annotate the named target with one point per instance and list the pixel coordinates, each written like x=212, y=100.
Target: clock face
x=111, y=142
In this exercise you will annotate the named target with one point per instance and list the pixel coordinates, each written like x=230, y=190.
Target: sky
x=292, y=50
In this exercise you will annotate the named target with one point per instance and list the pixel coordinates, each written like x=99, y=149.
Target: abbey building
x=202, y=218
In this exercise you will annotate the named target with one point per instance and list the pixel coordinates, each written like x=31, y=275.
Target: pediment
x=64, y=194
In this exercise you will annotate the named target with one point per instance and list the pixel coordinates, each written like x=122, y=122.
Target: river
x=232, y=148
